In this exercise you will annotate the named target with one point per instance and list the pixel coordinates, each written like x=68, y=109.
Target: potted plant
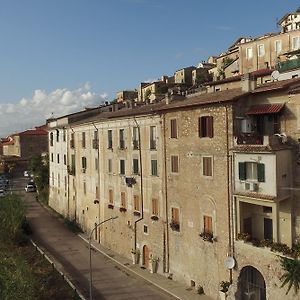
x=224, y=286
x=207, y=236
x=174, y=226
x=153, y=263
x=135, y=254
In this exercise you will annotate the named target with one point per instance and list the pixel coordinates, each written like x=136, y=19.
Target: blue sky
x=93, y=48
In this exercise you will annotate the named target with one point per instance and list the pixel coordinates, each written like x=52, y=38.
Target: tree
x=291, y=277
x=39, y=166
x=147, y=94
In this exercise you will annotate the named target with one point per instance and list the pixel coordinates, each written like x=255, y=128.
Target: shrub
x=200, y=290
x=291, y=277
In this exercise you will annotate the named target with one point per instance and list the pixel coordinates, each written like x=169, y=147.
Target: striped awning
x=265, y=109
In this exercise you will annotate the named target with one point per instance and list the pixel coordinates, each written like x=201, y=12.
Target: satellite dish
x=275, y=74
x=229, y=262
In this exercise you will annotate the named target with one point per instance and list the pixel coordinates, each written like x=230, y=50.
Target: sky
x=59, y=56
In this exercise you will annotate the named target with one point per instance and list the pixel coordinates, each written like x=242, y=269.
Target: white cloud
x=34, y=111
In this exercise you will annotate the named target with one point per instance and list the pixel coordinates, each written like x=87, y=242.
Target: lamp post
x=90, y=250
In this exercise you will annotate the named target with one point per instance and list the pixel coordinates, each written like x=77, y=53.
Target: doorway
x=145, y=256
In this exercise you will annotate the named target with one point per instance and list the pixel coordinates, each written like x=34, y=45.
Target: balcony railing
x=255, y=139
x=288, y=65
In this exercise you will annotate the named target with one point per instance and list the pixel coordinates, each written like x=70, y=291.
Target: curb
x=130, y=270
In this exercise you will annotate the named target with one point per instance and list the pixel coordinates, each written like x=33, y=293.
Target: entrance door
x=247, y=225
x=145, y=256
x=268, y=229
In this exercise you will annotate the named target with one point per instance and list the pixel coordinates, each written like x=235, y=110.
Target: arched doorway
x=251, y=285
x=145, y=256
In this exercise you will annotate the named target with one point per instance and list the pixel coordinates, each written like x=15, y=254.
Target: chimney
x=168, y=100
x=248, y=82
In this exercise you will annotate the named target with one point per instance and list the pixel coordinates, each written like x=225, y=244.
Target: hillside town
x=200, y=170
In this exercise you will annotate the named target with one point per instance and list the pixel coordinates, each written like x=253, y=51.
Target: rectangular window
x=122, y=167
x=154, y=206
x=153, y=137
x=135, y=138
x=83, y=140
x=110, y=166
x=175, y=215
x=84, y=187
x=261, y=50
x=51, y=139
x=64, y=135
x=136, y=203
x=96, y=163
x=121, y=139
x=58, y=158
x=109, y=139
x=135, y=166
x=174, y=129
x=95, y=140
x=207, y=224
x=65, y=159
x=83, y=162
x=72, y=140
x=295, y=43
x=52, y=157
x=205, y=127
x=73, y=165
x=252, y=171
x=174, y=164
x=249, y=53
x=97, y=194
x=154, y=167
x=57, y=135
x=58, y=180
x=110, y=196
x=207, y=166
x=123, y=199
x=278, y=46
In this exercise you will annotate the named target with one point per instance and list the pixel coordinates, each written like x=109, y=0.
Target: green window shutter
x=242, y=171
x=261, y=172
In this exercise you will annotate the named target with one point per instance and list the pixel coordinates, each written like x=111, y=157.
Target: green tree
x=39, y=166
x=291, y=277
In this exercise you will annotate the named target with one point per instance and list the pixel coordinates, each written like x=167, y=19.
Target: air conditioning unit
x=83, y=170
x=251, y=186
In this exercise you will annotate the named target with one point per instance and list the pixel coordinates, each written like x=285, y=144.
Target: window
x=175, y=217
x=135, y=138
x=52, y=179
x=97, y=194
x=174, y=164
x=72, y=140
x=135, y=166
x=278, y=46
x=52, y=157
x=110, y=166
x=95, y=140
x=261, y=50
x=73, y=166
x=154, y=167
x=121, y=139
x=83, y=140
x=152, y=137
x=51, y=139
x=205, y=127
x=57, y=135
x=109, y=139
x=123, y=199
x=174, y=129
x=207, y=224
x=249, y=53
x=64, y=135
x=58, y=180
x=145, y=229
x=154, y=206
x=83, y=162
x=136, y=203
x=58, y=158
x=65, y=159
x=96, y=163
x=295, y=43
x=84, y=187
x=110, y=196
x=252, y=171
x=207, y=166
x=122, y=167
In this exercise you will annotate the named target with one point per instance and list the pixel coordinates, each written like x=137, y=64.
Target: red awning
x=265, y=109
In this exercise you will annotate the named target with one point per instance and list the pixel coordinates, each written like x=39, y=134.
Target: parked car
x=2, y=193
x=30, y=187
x=26, y=174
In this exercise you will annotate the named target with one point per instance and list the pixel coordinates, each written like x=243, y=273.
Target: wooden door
x=145, y=256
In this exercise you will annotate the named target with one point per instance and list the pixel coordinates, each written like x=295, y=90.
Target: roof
x=265, y=109
x=286, y=15
x=33, y=132
x=229, y=79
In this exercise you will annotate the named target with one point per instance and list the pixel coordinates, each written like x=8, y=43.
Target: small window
x=110, y=196
x=109, y=139
x=267, y=209
x=83, y=162
x=122, y=167
x=207, y=166
x=121, y=139
x=154, y=167
x=136, y=203
x=175, y=215
x=252, y=171
x=83, y=139
x=52, y=157
x=96, y=163
x=58, y=158
x=57, y=135
x=64, y=135
x=278, y=46
x=65, y=159
x=174, y=164
x=109, y=165
x=261, y=50
x=145, y=229
x=123, y=199
x=205, y=127
x=97, y=192
x=174, y=129
x=154, y=206
x=152, y=137
x=84, y=187
x=249, y=53
x=135, y=166
x=207, y=224
x=135, y=138
x=51, y=139
x=295, y=43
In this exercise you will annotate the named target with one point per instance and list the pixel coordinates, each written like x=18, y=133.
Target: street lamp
x=90, y=249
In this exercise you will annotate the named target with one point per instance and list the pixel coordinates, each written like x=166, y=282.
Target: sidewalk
x=175, y=289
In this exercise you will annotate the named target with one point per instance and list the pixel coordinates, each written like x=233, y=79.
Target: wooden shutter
x=174, y=128
x=242, y=171
x=136, y=203
x=207, y=166
x=123, y=199
x=175, y=215
x=210, y=126
x=154, y=206
x=200, y=127
x=174, y=164
x=207, y=221
x=154, y=167
x=110, y=196
x=261, y=172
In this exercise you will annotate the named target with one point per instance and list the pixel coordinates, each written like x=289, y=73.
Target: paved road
x=111, y=281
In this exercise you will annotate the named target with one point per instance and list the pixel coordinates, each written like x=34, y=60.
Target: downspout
x=167, y=254
x=75, y=174
x=141, y=192
x=68, y=182
x=230, y=243
x=98, y=173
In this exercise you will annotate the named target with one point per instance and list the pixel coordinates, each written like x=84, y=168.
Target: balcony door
x=268, y=229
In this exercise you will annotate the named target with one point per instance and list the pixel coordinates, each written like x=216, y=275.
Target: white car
x=26, y=174
x=2, y=193
x=30, y=187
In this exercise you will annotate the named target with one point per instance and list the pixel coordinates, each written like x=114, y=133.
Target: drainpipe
x=167, y=254
x=74, y=174
x=98, y=173
x=68, y=180
x=141, y=191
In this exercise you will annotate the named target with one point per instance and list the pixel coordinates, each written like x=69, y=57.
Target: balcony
x=288, y=65
x=259, y=140
x=95, y=143
x=152, y=145
x=135, y=145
